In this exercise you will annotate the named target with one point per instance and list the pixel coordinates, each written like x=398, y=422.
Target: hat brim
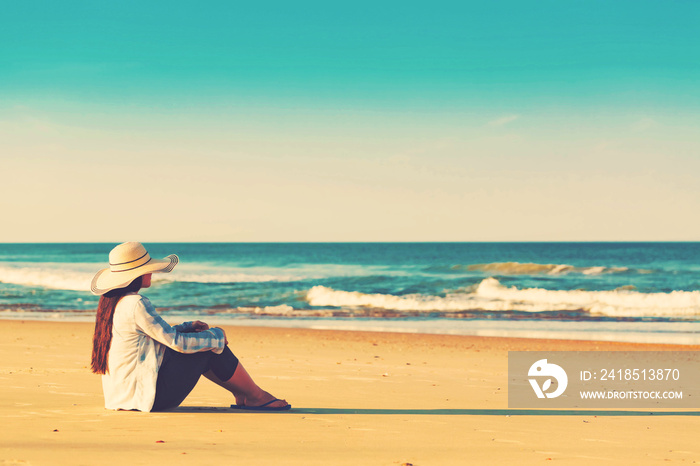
x=105, y=280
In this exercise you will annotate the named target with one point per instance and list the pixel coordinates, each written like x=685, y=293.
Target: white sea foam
x=323, y=296
x=72, y=277
x=225, y=277
x=282, y=309
x=491, y=295
x=77, y=276
x=200, y=273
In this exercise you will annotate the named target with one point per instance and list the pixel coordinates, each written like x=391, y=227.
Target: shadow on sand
x=449, y=412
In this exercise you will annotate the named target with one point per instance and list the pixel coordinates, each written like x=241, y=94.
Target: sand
x=359, y=398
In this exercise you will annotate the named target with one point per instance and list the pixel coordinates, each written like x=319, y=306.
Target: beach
x=358, y=398
x=423, y=225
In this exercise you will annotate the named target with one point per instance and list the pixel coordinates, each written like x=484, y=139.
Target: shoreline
x=517, y=342
x=358, y=397
x=666, y=333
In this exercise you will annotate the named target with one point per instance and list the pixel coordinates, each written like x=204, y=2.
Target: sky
x=363, y=121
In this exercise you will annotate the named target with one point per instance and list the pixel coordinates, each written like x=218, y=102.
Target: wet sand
x=358, y=398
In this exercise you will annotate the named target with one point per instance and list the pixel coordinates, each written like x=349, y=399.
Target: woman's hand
x=199, y=326
x=225, y=338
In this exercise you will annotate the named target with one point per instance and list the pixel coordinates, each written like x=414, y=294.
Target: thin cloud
x=642, y=125
x=504, y=120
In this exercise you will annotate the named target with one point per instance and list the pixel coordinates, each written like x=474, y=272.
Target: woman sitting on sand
x=145, y=363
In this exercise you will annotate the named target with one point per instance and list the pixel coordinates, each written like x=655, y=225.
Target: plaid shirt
x=139, y=338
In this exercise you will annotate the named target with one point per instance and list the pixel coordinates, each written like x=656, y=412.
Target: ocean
x=640, y=292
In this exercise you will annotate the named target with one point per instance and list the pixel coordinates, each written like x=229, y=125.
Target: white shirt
x=139, y=337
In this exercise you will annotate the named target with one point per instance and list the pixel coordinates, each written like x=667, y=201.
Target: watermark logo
x=546, y=371
x=604, y=379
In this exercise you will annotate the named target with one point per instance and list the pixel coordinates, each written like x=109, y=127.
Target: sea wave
x=491, y=295
x=77, y=277
x=520, y=268
x=70, y=277
x=228, y=277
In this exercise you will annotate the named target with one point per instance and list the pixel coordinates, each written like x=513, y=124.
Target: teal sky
x=313, y=121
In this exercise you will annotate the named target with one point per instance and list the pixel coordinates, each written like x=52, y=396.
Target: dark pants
x=179, y=373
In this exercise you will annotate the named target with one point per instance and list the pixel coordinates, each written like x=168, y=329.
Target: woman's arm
x=153, y=325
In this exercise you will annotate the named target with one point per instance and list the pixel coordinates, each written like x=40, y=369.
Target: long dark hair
x=102, y=339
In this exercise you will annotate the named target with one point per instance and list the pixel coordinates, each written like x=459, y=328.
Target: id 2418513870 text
x=632, y=374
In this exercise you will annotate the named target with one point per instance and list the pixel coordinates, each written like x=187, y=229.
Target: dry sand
x=359, y=398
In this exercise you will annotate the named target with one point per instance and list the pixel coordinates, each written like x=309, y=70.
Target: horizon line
x=366, y=242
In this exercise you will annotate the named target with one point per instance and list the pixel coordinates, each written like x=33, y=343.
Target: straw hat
x=127, y=262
